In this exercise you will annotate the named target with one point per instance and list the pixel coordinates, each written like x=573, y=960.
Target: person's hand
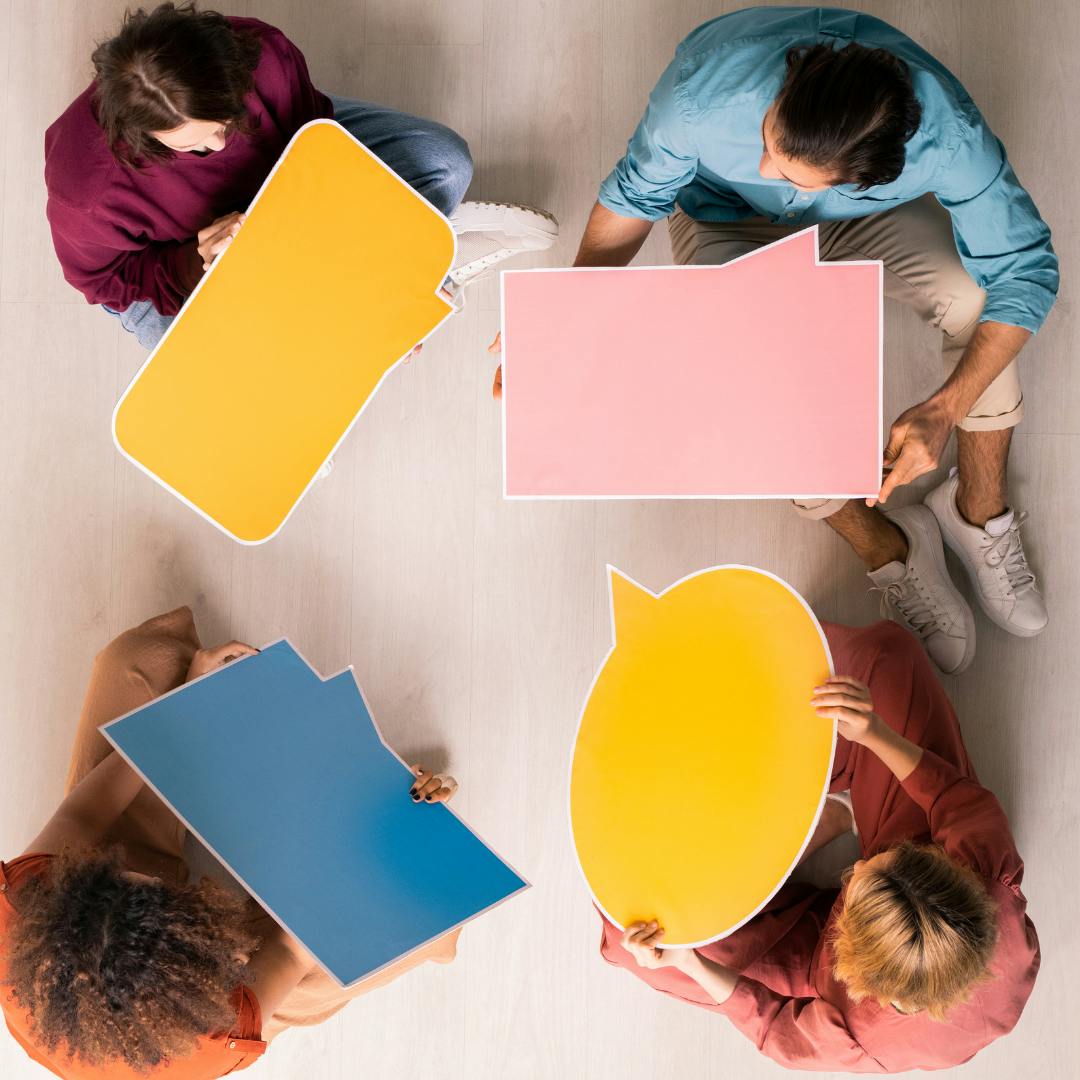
x=207, y=660
x=495, y=348
x=641, y=939
x=916, y=442
x=848, y=702
x=430, y=786
x=217, y=236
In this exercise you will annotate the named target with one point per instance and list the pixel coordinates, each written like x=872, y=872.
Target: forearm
x=992, y=348
x=716, y=980
x=92, y=808
x=899, y=755
x=611, y=239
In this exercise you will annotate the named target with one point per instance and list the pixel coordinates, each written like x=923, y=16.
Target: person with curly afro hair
x=116, y=960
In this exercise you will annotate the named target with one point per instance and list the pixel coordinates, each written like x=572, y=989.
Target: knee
x=966, y=301
x=451, y=172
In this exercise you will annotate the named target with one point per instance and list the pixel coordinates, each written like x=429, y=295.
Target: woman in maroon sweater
x=149, y=170
x=926, y=954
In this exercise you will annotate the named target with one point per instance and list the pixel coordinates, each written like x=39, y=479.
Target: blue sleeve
x=660, y=159
x=1003, y=242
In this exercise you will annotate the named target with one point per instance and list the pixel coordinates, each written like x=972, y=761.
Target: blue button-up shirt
x=699, y=145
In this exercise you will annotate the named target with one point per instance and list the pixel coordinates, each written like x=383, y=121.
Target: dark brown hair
x=165, y=67
x=850, y=111
x=112, y=968
x=917, y=932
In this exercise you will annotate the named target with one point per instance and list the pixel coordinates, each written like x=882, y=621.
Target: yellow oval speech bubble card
x=700, y=766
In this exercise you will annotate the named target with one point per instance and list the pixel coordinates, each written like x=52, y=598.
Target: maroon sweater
x=124, y=234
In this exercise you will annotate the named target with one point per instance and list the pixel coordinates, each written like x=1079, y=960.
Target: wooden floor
x=475, y=624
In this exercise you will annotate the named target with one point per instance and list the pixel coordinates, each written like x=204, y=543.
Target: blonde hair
x=916, y=931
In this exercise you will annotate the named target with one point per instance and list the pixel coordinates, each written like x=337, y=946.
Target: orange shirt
x=214, y=1056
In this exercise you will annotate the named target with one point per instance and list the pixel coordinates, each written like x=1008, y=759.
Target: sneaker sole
x=546, y=215
x=933, y=538
x=973, y=578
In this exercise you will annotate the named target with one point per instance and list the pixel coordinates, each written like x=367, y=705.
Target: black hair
x=850, y=111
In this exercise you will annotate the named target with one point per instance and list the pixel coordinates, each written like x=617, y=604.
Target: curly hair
x=113, y=968
x=917, y=932
x=168, y=66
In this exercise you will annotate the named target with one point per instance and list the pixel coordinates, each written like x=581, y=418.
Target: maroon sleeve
x=284, y=85
x=798, y=1033
x=965, y=819
x=109, y=266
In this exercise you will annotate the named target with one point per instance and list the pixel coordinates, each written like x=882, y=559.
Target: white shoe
x=994, y=560
x=921, y=596
x=490, y=232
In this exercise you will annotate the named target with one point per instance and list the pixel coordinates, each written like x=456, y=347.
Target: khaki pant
x=131, y=671
x=921, y=269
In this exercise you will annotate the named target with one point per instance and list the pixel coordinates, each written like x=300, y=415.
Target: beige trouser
x=921, y=269
x=131, y=671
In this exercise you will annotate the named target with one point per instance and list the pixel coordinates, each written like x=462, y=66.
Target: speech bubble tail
x=627, y=596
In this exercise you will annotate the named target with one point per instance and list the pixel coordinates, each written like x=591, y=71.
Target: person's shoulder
x=273, y=43
x=78, y=161
x=737, y=58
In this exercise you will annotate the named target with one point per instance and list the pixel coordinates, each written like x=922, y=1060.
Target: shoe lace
x=914, y=604
x=1007, y=553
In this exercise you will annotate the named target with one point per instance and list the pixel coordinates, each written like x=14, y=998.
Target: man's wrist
x=951, y=402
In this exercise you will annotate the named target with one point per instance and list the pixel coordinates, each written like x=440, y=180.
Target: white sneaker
x=994, y=560
x=921, y=596
x=490, y=232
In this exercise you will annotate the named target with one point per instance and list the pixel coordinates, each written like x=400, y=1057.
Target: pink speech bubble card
x=757, y=379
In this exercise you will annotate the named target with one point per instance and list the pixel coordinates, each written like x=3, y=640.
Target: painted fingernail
x=415, y=797
x=427, y=798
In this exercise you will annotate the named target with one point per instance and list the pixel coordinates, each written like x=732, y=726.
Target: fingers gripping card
x=700, y=767
x=331, y=281
x=285, y=778
x=760, y=378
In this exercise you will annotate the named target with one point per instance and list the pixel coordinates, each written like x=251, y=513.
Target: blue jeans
x=427, y=155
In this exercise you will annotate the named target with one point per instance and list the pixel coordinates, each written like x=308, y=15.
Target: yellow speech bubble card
x=331, y=281
x=700, y=767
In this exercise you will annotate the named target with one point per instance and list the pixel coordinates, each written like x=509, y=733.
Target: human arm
x=643, y=941
x=1005, y=246
x=611, y=239
x=91, y=808
x=112, y=267
x=109, y=266
x=918, y=436
x=799, y=1033
x=962, y=816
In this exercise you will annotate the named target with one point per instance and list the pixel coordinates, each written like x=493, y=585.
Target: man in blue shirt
x=773, y=119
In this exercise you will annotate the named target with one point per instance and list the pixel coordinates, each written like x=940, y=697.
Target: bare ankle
x=978, y=509
x=893, y=547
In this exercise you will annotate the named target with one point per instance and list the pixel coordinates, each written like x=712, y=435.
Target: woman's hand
x=847, y=701
x=217, y=236
x=430, y=786
x=495, y=348
x=641, y=939
x=207, y=660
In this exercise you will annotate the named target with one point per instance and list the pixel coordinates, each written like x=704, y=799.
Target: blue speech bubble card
x=284, y=776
